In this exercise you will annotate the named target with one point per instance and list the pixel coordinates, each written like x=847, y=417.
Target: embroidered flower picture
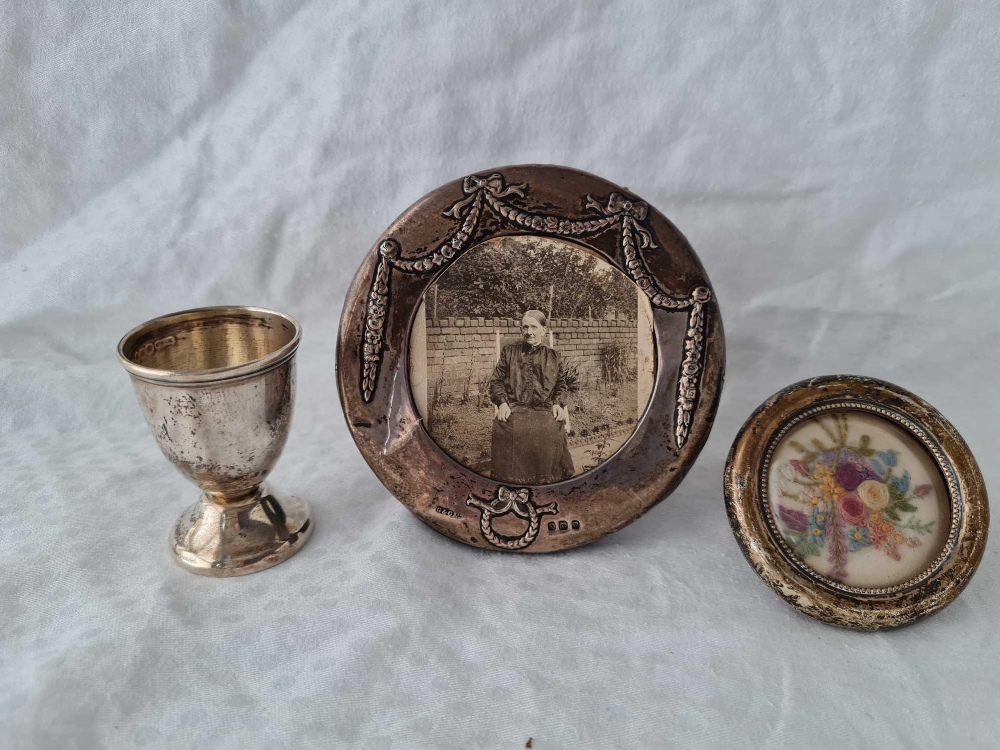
x=839, y=497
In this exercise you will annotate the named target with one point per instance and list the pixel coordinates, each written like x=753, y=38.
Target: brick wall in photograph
x=462, y=352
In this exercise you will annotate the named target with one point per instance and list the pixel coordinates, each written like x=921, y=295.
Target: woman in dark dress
x=528, y=388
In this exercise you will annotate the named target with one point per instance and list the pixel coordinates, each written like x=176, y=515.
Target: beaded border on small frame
x=942, y=463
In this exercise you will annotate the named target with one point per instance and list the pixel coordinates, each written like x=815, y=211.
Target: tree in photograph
x=523, y=273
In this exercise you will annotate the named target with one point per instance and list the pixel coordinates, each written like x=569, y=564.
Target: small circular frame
x=821, y=597
x=534, y=201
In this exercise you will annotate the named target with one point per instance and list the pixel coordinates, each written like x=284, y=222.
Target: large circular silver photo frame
x=530, y=358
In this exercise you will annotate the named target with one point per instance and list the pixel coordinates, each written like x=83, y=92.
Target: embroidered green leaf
x=905, y=506
x=920, y=528
x=842, y=427
x=800, y=544
x=806, y=549
x=828, y=431
x=891, y=513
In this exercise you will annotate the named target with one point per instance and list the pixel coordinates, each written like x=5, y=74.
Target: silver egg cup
x=217, y=386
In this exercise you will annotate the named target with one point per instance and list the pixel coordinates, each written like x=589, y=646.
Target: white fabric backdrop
x=834, y=165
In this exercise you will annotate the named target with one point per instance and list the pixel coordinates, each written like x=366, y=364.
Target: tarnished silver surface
x=217, y=386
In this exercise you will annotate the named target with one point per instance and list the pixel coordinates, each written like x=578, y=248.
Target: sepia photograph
x=531, y=360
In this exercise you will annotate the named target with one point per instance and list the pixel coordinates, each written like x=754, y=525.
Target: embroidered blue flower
x=881, y=461
x=817, y=526
x=902, y=484
x=889, y=457
x=858, y=537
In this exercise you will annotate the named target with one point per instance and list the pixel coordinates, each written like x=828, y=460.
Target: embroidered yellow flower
x=874, y=494
x=828, y=488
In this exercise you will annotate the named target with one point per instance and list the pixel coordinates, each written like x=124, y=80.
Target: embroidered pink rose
x=851, y=508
